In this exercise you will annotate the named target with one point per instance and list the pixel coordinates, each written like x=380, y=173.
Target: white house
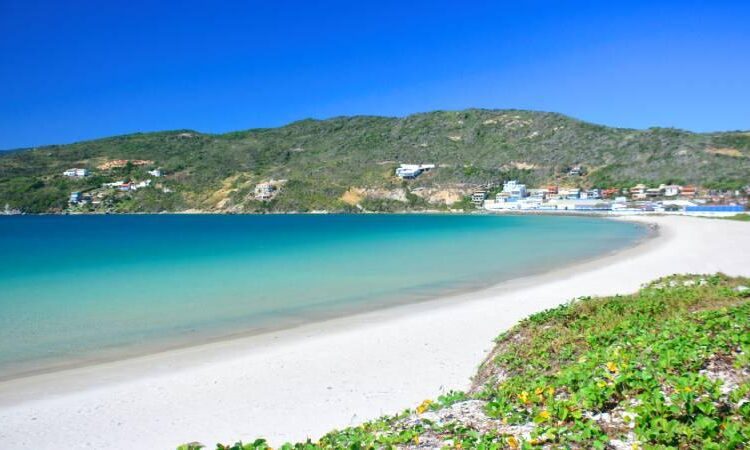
x=76, y=173
x=156, y=173
x=514, y=189
x=576, y=171
x=407, y=171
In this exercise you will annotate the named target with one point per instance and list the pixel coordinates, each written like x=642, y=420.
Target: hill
x=347, y=163
x=667, y=367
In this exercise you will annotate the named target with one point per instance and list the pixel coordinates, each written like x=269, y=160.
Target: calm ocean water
x=74, y=289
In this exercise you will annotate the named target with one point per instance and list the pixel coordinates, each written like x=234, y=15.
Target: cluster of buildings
x=515, y=196
x=95, y=196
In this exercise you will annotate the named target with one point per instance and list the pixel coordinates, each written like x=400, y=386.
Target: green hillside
x=322, y=160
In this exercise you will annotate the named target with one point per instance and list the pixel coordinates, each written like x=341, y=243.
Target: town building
x=688, y=192
x=478, y=197
x=609, y=193
x=538, y=194
x=594, y=194
x=570, y=194
x=653, y=192
x=514, y=189
x=670, y=190
x=156, y=173
x=638, y=192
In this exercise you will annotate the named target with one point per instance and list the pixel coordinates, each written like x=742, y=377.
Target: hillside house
x=264, y=191
x=411, y=171
x=140, y=185
x=76, y=173
x=576, y=171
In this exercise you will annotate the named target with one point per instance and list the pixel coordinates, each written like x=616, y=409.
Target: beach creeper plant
x=665, y=368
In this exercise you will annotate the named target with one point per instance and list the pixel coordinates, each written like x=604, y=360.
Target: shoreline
x=309, y=379
x=316, y=318
x=530, y=212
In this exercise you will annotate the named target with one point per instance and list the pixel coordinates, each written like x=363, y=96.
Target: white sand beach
x=305, y=381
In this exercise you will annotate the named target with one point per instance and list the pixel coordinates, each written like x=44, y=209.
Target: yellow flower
x=612, y=367
x=512, y=442
x=544, y=415
x=423, y=406
x=538, y=391
x=687, y=389
x=550, y=391
x=524, y=397
x=416, y=440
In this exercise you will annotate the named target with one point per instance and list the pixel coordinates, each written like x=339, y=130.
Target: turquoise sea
x=78, y=289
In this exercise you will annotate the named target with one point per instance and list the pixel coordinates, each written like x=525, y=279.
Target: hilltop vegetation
x=322, y=160
x=668, y=367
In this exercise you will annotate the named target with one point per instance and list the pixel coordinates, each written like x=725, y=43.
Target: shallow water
x=75, y=289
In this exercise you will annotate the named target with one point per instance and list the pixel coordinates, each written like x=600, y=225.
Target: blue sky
x=78, y=70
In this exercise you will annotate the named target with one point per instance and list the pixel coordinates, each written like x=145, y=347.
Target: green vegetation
x=739, y=217
x=323, y=159
x=668, y=367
